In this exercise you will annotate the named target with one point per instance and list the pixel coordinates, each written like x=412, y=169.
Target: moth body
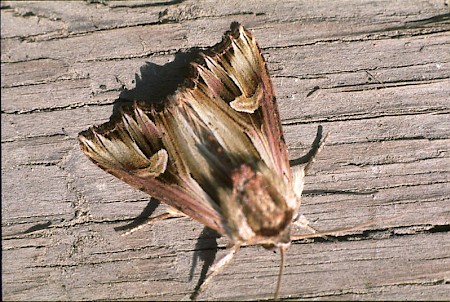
x=213, y=150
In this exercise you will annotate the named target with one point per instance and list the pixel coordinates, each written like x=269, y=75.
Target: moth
x=213, y=150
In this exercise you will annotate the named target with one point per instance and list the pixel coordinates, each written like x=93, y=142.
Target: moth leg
x=357, y=227
x=171, y=213
x=303, y=223
x=215, y=269
x=310, y=157
x=300, y=166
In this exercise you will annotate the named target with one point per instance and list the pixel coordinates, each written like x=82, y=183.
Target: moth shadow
x=142, y=218
x=153, y=85
x=156, y=82
x=205, y=248
x=206, y=251
x=34, y=228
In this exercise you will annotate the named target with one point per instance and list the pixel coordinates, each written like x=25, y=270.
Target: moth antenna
x=216, y=269
x=339, y=230
x=280, y=273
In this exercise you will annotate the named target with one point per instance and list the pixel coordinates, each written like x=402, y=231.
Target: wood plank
x=373, y=74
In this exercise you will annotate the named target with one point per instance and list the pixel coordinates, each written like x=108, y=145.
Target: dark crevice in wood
x=144, y=4
x=355, y=38
x=37, y=59
x=337, y=192
x=409, y=138
x=364, y=116
x=369, y=291
x=48, y=81
x=35, y=137
x=387, y=85
x=377, y=189
x=383, y=233
x=393, y=139
x=47, y=36
x=324, y=75
x=44, y=163
x=57, y=108
x=436, y=155
x=72, y=263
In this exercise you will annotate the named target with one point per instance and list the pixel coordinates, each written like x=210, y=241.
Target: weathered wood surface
x=374, y=73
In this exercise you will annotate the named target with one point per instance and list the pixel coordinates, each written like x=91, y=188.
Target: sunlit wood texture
x=374, y=73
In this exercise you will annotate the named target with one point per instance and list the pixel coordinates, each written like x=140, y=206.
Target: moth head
x=259, y=209
x=283, y=242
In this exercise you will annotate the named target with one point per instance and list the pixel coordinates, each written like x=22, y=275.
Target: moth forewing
x=213, y=150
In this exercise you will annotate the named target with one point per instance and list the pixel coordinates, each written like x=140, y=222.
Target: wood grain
x=375, y=74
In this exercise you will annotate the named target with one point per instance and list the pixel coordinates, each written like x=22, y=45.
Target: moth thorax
x=259, y=198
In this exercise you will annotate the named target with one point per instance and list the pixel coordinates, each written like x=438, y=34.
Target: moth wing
x=235, y=72
x=130, y=147
x=184, y=154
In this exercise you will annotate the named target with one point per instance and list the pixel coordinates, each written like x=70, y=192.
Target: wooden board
x=375, y=74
